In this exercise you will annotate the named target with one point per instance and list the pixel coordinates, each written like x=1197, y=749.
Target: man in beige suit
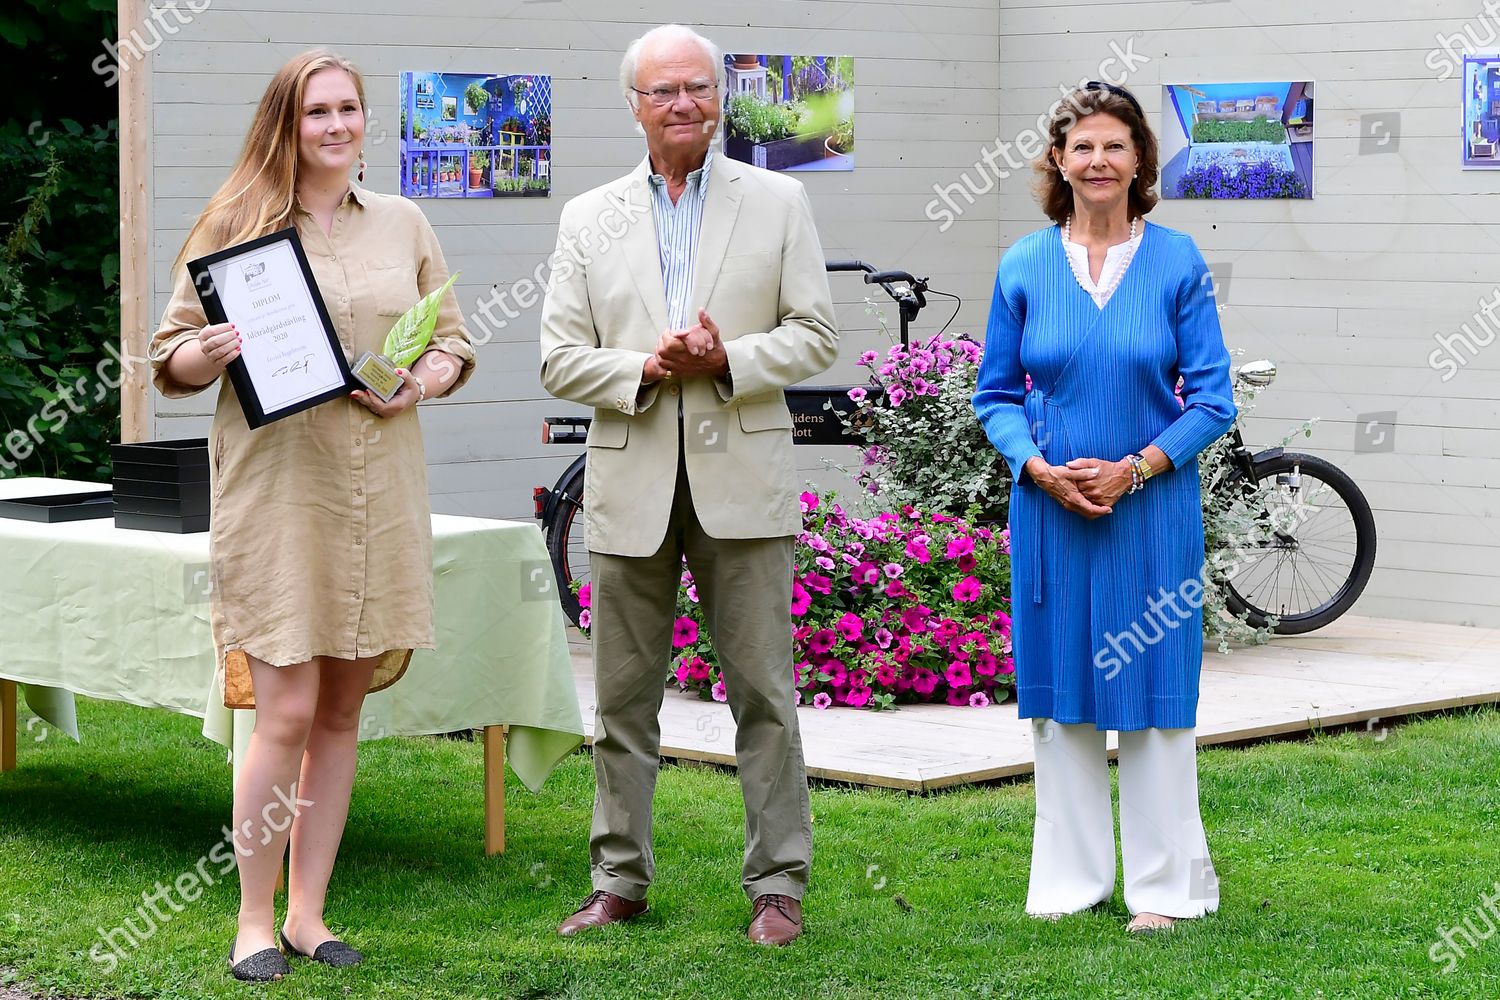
x=685, y=297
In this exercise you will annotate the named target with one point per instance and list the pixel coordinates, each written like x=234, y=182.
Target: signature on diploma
x=305, y=365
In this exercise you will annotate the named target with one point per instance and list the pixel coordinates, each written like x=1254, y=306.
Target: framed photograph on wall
x=1231, y=141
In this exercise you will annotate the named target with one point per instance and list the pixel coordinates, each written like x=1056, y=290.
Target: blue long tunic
x=1107, y=613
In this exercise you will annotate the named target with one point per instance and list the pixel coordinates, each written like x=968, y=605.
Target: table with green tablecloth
x=123, y=615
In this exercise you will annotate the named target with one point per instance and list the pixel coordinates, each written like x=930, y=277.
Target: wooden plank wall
x=925, y=97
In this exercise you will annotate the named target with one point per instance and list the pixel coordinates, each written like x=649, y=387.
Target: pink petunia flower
x=809, y=502
x=885, y=674
x=699, y=670
x=719, y=692
x=978, y=700
x=692, y=593
x=838, y=674
x=924, y=681
x=858, y=394
x=858, y=697
x=801, y=600
x=682, y=674
x=585, y=618
x=883, y=638
x=821, y=700
x=818, y=582
x=892, y=570
x=865, y=573
x=986, y=664
x=958, y=674
x=586, y=595
x=957, y=697
x=897, y=395
x=896, y=589
x=822, y=641
x=851, y=626
x=917, y=549
x=967, y=563
x=826, y=564
x=967, y=590
x=869, y=357
x=915, y=619
x=684, y=633
x=959, y=545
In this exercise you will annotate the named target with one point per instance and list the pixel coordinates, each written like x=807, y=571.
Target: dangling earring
x=361, y=166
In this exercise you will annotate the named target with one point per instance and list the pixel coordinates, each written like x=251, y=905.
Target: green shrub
x=756, y=120
x=59, y=300
x=1261, y=129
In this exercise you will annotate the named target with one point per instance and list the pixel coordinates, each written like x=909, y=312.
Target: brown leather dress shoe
x=776, y=919
x=599, y=909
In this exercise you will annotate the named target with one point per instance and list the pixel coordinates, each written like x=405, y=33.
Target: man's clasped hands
x=688, y=353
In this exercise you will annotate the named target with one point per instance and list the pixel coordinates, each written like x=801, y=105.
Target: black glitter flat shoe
x=331, y=952
x=265, y=966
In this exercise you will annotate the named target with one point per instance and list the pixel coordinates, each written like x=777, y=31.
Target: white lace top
x=1116, y=259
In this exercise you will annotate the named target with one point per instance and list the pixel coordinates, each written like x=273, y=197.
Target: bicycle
x=817, y=412
x=1313, y=549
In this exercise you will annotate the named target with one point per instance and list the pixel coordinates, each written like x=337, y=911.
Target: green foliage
x=1261, y=129
x=758, y=121
x=476, y=98
x=59, y=301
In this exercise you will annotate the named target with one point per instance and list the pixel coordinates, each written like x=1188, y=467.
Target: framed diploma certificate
x=291, y=358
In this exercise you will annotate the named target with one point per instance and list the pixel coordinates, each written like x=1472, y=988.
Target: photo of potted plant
x=1225, y=141
x=489, y=146
x=800, y=117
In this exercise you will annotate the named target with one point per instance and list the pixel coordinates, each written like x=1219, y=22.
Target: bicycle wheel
x=565, y=543
x=1313, y=548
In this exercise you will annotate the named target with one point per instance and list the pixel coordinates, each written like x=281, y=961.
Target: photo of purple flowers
x=1237, y=140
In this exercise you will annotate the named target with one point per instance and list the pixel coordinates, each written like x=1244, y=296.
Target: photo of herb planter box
x=495, y=142
x=1237, y=140
x=790, y=112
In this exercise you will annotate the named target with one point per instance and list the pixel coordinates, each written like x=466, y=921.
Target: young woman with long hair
x=321, y=533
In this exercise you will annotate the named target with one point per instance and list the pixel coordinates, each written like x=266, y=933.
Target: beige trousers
x=745, y=589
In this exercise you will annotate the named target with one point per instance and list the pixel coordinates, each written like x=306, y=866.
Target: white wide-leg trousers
x=1162, y=844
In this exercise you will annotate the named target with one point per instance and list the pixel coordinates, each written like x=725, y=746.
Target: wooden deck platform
x=1358, y=670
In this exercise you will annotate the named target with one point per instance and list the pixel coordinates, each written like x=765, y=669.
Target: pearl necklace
x=1067, y=235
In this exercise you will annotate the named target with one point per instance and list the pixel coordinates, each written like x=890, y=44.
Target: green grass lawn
x=1338, y=860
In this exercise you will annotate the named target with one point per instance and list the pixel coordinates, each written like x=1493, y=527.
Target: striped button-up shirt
x=677, y=239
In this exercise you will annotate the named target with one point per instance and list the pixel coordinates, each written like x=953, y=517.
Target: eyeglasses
x=1117, y=91
x=662, y=96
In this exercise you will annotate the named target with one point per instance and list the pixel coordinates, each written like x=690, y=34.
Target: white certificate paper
x=287, y=353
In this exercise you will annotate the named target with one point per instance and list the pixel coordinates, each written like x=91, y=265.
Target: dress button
x=359, y=492
x=359, y=540
x=358, y=441
x=356, y=595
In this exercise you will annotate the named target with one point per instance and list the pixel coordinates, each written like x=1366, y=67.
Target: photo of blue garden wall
x=469, y=135
x=790, y=112
x=1237, y=140
x=1481, y=112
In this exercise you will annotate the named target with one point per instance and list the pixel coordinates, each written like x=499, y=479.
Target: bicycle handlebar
x=912, y=298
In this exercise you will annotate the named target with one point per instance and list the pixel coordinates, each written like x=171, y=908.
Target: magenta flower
x=885, y=674
x=719, y=692
x=883, y=638
x=851, y=626
x=821, y=700
x=959, y=545
x=897, y=395
x=801, y=600
x=968, y=590
x=957, y=697
x=699, y=670
x=857, y=697
x=924, y=681
x=822, y=641
x=865, y=573
x=896, y=589
x=809, y=502
x=684, y=632
x=682, y=673
x=585, y=618
x=869, y=358
x=826, y=564
x=858, y=394
x=978, y=700
x=838, y=674
x=818, y=582
x=986, y=664
x=966, y=564
x=692, y=593
x=958, y=674
x=893, y=570
x=917, y=549
x=586, y=595
x=915, y=619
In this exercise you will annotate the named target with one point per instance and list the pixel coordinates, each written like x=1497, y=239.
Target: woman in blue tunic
x=1094, y=321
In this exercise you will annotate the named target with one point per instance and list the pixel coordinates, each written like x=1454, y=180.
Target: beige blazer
x=760, y=275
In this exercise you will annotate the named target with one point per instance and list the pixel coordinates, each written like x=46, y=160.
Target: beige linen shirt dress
x=321, y=534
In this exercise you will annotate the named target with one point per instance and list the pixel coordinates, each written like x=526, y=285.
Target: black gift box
x=162, y=486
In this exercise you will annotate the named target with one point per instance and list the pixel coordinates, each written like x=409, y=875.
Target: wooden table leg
x=7, y=725
x=494, y=790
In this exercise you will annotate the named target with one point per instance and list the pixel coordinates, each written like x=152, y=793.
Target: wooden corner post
x=135, y=229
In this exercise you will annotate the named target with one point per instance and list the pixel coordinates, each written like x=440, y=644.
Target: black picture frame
x=200, y=270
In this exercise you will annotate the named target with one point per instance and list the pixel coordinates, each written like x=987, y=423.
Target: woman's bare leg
x=327, y=779
x=286, y=699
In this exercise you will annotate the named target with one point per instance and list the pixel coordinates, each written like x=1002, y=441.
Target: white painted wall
x=1346, y=291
